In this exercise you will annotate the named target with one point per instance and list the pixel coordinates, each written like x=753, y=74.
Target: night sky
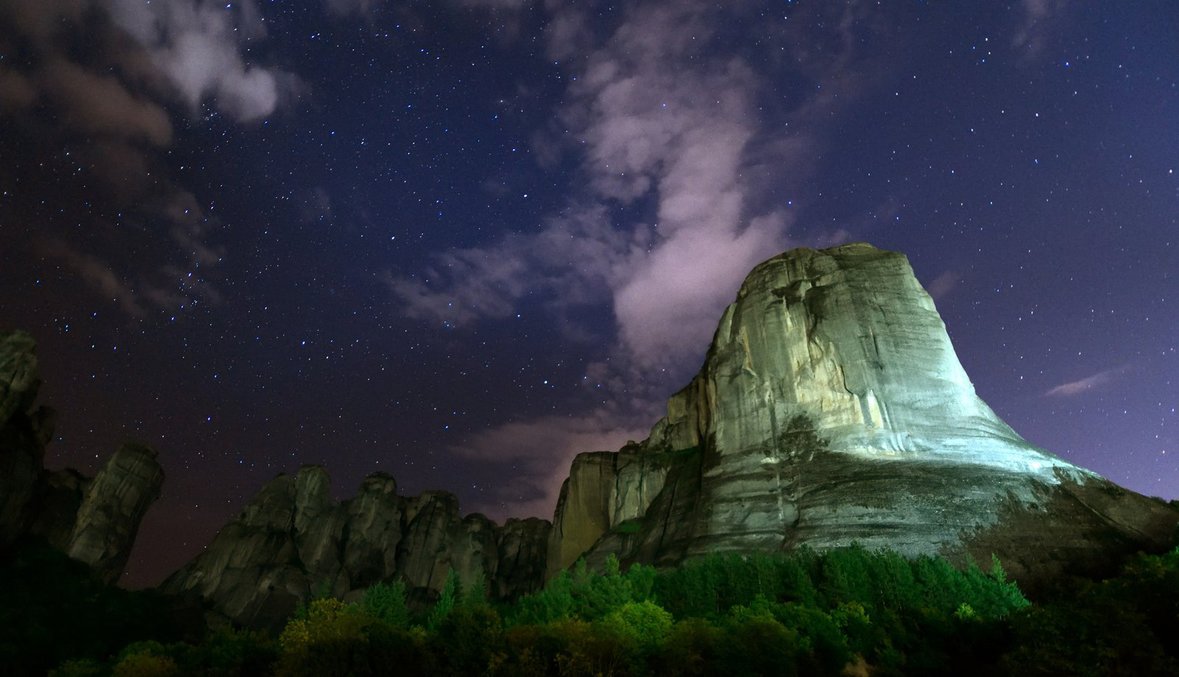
x=461, y=240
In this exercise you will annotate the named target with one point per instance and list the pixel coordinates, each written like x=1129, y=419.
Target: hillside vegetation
x=846, y=611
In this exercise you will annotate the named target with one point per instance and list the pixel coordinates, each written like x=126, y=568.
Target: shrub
x=386, y=603
x=331, y=640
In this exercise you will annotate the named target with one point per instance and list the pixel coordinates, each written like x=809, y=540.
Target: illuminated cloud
x=540, y=451
x=1084, y=385
x=943, y=285
x=1034, y=23
x=678, y=144
x=199, y=45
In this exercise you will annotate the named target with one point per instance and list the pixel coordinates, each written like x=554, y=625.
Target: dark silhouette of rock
x=21, y=448
x=92, y=520
x=18, y=374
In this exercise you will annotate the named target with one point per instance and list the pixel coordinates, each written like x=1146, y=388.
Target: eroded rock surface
x=832, y=409
x=294, y=540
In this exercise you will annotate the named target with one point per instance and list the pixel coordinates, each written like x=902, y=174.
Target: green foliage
x=846, y=611
x=629, y=527
x=329, y=641
x=474, y=594
x=645, y=623
x=586, y=595
x=1125, y=625
x=386, y=603
x=693, y=647
x=54, y=610
x=232, y=652
x=447, y=600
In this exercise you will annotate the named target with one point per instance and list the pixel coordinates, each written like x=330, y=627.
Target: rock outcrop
x=294, y=540
x=114, y=504
x=92, y=520
x=832, y=409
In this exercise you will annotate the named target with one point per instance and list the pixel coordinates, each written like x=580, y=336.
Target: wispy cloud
x=677, y=195
x=100, y=81
x=1036, y=17
x=99, y=275
x=540, y=451
x=1087, y=384
x=943, y=285
x=652, y=124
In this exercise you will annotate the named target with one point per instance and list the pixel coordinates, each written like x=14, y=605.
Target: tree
x=386, y=603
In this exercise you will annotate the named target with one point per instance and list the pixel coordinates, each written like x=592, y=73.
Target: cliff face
x=294, y=540
x=831, y=409
x=92, y=520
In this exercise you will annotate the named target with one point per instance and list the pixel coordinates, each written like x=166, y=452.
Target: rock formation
x=831, y=409
x=294, y=540
x=112, y=508
x=92, y=520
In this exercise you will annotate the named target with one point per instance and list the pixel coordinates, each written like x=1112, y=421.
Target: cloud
x=369, y=8
x=348, y=7
x=97, y=274
x=943, y=285
x=569, y=262
x=653, y=125
x=95, y=81
x=1037, y=17
x=1086, y=384
x=496, y=4
x=540, y=451
x=173, y=285
x=198, y=45
x=98, y=104
x=677, y=195
x=16, y=90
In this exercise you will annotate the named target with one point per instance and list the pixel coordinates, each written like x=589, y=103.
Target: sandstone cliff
x=294, y=540
x=92, y=520
x=832, y=409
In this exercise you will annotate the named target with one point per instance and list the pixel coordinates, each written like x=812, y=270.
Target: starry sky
x=461, y=240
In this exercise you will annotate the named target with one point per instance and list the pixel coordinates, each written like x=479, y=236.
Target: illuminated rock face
x=831, y=409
